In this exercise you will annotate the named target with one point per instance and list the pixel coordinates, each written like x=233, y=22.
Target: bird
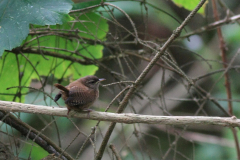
x=79, y=95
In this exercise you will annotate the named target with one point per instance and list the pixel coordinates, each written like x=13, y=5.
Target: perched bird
x=80, y=94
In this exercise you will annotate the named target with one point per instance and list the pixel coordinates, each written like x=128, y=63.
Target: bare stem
x=226, y=75
x=115, y=152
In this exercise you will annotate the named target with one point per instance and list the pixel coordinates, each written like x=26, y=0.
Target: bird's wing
x=79, y=97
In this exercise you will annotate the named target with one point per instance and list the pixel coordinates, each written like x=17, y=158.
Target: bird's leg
x=68, y=111
x=88, y=110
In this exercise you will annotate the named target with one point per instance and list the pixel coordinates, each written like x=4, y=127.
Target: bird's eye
x=92, y=81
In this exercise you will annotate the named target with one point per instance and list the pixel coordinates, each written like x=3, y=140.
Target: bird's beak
x=101, y=79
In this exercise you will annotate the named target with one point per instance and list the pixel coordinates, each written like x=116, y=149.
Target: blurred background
x=164, y=90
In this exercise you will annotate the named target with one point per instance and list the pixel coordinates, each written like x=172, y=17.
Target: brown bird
x=80, y=94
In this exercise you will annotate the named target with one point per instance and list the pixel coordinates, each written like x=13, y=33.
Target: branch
x=128, y=118
x=112, y=147
x=50, y=53
x=214, y=25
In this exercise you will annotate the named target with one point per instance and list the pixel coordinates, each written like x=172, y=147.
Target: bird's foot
x=68, y=116
x=88, y=110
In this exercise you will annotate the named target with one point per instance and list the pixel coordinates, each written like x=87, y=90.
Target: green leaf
x=190, y=5
x=17, y=15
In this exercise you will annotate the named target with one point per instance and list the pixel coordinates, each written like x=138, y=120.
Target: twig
x=198, y=137
x=117, y=83
x=224, y=57
x=50, y=53
x=213, y=25
x=85, y=9
x=115, y=152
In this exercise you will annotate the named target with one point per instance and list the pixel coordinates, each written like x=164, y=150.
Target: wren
x=80, y=94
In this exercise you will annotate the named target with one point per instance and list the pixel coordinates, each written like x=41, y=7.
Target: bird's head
x=91, y=81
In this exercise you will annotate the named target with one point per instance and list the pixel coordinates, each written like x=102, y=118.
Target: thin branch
x=224, y=57
x=127, y=118
x=49, y=53
x=198, y=137
x=117, y=83
x=112, y=147
x=85, y=9
x=214, y=25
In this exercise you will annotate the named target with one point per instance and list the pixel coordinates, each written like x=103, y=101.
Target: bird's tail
x=59, y=95
x=61, y=87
